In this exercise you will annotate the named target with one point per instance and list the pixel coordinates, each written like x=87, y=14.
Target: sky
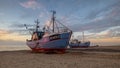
x=98, y=19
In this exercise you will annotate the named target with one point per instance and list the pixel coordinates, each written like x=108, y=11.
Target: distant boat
x=74, y=43
x=50, y=39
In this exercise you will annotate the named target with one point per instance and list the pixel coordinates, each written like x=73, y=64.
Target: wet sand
x=93, y=57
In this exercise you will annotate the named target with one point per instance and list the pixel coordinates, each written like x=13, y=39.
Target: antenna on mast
x=37, y=24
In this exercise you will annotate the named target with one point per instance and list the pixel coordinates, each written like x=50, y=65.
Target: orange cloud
x=3, y=32
x=105, y=41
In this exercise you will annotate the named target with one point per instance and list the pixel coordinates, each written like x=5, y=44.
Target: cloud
x=20, y=29
x=109, y=33
x=17, y=25
x=33, y=4
x=7, y=36
x=100, y=20
x=115, y=32
x=4, y=32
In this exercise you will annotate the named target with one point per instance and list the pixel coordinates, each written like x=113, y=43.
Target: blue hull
x=55, y=41
x=79, y=45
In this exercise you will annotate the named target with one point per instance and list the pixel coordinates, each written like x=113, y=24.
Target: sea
x=13, y=47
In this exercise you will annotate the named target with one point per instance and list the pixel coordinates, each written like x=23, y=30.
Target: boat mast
x=53, y=19
x=37, y=25
x=83, y=36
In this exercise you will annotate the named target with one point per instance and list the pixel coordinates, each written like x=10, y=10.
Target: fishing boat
x=52, y=38
x=75, y=43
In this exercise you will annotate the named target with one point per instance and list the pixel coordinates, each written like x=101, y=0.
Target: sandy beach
x=93, y=57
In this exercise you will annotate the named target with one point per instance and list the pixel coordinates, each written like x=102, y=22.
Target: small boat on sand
x=75, y=43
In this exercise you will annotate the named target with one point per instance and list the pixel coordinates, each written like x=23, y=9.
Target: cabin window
x=37, y=35
x=40, y=35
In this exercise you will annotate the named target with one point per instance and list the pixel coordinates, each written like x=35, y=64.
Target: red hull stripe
x=48, y=49
x=79, y=46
